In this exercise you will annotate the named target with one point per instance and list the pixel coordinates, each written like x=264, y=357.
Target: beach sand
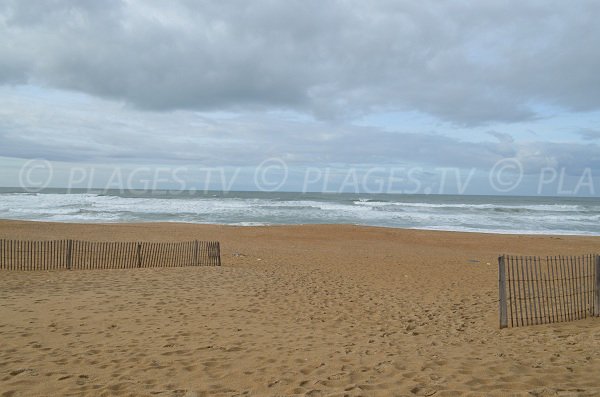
x=294, y=310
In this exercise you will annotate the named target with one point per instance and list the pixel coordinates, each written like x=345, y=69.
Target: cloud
x=589, y=134
x=464, y=63
x=78, y=128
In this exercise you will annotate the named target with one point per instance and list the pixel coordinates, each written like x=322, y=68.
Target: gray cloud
x=589, y=134
x=465, y=63
x=88, y=130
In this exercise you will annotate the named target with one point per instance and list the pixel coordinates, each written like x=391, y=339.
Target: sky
x=418, y=97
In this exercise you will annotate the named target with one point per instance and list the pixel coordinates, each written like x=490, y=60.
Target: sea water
x=492, y=214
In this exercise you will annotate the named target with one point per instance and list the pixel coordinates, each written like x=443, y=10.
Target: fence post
x=196, y=253
x=597, y=288
x=139, y=254
x=70, y=254
x=502, y=292
x=218, y=254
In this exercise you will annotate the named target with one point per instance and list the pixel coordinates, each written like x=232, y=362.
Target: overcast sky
x=314, y=83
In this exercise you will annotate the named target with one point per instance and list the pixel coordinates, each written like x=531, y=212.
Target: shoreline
x=301, y=225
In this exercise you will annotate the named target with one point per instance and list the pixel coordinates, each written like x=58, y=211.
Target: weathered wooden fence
x=74, y=254
x=536, y=290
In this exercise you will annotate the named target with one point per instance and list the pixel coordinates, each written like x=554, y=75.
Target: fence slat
x=534, y=290
x=18, y=255
x=586, y=284
x=176, y=251
x=214, y=253
x=79, y=249
x=565, y=305
x=173, y=256
x=586, y=275
x=217, y=255
x=44, y=254
x=527, y=302
x=531, y=290
x=56, y=255
x=125, y=253
x=557, y=290
x=574, y=301
x=581, y=287
x=593, y=286
x=565, y=281
x=502, y=292
x=575, y=290
x=4, y=255
x=188, y=256
x=549, y=308
x=541, y=308
x=27, y=255
x=597, y=286
x=21, y=256
x=583, y=284
x=77, y=256
x=519, y=289
x=153, y=254
x=69, y=254
x=160, y=254
x=569, y=271
x=98, y=250
x=34, y=254
x=512, y=294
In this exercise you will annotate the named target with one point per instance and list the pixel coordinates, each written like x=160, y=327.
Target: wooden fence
x=74, y=254
x=536, y=290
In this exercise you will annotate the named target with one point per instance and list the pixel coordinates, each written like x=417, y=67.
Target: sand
x=294, y=310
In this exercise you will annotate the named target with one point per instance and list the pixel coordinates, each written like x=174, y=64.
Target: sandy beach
x=324, y=310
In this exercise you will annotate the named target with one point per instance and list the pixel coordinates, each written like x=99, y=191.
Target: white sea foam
x=494, y=215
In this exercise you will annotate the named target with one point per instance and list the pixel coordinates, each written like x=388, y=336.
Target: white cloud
x=63, y=126
x=463, y=62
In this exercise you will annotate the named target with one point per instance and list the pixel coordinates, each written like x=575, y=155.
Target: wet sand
x=294, y=310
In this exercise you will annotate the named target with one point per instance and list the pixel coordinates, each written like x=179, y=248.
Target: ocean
x=491, y=214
